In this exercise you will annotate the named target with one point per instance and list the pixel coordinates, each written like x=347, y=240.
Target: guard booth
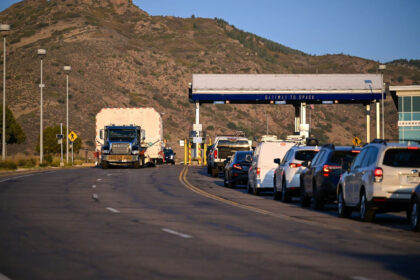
x=407, y=99
x=297, y=90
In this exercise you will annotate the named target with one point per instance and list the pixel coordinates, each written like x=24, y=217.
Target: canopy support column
x=378, y=120
x=367, y=123
x=297, y=119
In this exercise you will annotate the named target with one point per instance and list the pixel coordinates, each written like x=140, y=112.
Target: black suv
x=319, y=181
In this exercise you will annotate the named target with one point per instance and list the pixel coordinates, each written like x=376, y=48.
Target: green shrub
x=49, y=158
x=27, y=162
x=8, y=165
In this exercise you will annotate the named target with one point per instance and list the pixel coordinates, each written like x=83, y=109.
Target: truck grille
x=225, y=152
x=120, y=148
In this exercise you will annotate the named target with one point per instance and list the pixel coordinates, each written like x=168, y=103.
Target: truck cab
x=122, y=146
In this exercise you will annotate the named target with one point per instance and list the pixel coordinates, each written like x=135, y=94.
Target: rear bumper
x=239, y=178
x=383, y=204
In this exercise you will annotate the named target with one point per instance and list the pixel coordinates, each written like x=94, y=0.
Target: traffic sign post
x=356, y=141
x=72, y=136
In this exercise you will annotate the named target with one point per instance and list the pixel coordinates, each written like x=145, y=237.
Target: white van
x=261, y=172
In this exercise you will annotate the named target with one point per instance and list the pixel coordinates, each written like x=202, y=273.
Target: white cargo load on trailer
x=147, y=118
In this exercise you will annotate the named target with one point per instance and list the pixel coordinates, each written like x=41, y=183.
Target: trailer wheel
x=136, y=164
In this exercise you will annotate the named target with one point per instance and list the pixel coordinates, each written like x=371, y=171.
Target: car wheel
x=305, y=200
x=208, y=169
x=248, y=188
x=285, y=196
x=104, y=164
x=225, y=180
x=276, y=194
x=232, y=185
x=366, y=214
x=343, y=210
x=414, y=215
x=318, y=199
x=214, y=172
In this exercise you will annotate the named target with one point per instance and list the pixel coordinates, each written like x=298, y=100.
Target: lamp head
x=42, y=52
x=4, y=27
x=67, y=68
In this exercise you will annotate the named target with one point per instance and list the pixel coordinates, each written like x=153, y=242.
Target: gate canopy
x=286, y=88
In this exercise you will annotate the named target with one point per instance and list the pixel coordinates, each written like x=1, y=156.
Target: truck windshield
x=122, y=134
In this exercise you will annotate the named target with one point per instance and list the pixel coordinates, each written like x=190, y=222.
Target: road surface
x=175, y=223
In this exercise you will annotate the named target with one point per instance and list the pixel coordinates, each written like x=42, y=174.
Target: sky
x=381, y=30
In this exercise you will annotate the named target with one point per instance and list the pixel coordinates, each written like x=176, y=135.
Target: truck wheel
x=104, y=164
x=136, y=164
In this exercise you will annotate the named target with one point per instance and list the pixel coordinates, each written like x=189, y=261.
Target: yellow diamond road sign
x=72, y=136
x=356, y=141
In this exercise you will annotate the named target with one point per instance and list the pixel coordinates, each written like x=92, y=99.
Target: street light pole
x=67, y=69
x=41, y=54
x=382, y=68
x=4, y=28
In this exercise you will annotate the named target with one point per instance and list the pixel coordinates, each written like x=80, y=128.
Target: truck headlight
x=135, y=152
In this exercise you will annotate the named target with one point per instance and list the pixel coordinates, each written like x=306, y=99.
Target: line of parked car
x=379, y=177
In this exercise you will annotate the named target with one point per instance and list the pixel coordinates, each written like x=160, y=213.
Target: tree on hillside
x=14, y=132
x=51, y=145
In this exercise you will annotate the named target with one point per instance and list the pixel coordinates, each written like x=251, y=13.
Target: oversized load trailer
x=148, y=119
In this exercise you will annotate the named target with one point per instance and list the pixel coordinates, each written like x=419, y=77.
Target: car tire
x=285, y=196
x=318, y=198
x=305, y=200
x=248, y=188
x=256, y=191
x=136, y=165
x=214, y=172
x=225, y=181
x=415, y=214
x=208, y=169
x=276, y=194
x=343, y=210
x=366, y=214
x=232, y=185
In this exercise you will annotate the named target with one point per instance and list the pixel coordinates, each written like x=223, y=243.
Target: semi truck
x=129, y=136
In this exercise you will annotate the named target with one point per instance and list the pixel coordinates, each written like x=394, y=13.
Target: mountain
x=123, y=57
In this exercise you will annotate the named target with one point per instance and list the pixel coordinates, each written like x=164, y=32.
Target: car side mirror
x=174, y=154
x=277, y=160
x=101, y=134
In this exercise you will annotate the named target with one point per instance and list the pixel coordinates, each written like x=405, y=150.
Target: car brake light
x=327, y=169
x=356, y=151
x=237, y=166
x=413, y=148
x=215, y=153
x=295, y=165
x=258, y=172
x=379, y=174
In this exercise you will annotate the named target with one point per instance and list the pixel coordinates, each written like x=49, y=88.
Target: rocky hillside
x=123, y=57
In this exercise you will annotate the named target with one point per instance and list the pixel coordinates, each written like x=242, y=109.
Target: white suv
x=380, y=179
x=287, y=174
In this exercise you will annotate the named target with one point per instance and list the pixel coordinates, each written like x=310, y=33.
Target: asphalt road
x=173, y=223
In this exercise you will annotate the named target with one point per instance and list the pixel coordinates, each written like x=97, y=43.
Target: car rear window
x=341, y=157
x=242, y=156
x=402, y=158
x=232, y=142
x=305, y=155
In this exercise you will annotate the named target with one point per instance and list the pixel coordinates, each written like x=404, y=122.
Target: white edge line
x=22, y=176
x=93, y=186
x=112, y=210
x=183, y=235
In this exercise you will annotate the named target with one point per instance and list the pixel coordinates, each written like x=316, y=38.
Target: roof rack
x=379, y=141
x=331, y=146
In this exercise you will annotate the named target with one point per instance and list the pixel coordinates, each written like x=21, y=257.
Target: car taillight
x=295, y=165
x=327, y=169
x=413, y=148
x=378, y=173
x=258, y=172
x=237, y=166
x=355, y=151
x=215, y=153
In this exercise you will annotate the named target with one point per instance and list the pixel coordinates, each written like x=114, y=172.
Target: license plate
x=413, y=179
